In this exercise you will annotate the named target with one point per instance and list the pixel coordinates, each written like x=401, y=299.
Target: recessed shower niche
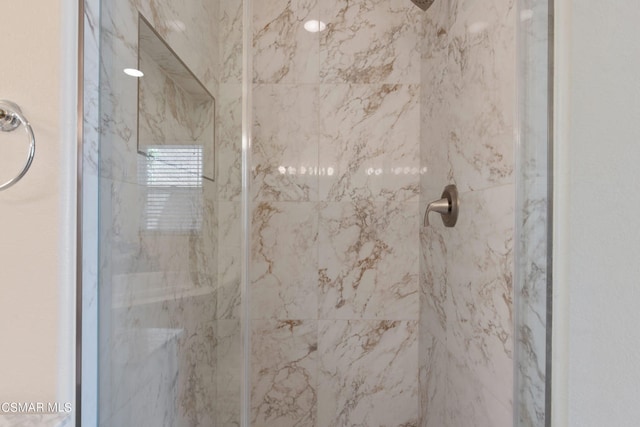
x=176, y=135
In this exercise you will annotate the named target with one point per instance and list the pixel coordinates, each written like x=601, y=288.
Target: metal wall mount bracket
x=447, y=206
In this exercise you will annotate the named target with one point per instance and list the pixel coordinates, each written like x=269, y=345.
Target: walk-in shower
x=260, y=191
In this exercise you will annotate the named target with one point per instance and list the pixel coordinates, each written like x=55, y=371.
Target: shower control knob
x=447, y=206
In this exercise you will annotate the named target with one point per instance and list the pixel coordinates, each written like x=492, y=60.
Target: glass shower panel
x=361, y=112
x=484, y=282
x=169, y=168
x=533, y=214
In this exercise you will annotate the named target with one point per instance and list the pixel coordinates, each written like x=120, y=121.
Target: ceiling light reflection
x=315, y=26
x=133, y=72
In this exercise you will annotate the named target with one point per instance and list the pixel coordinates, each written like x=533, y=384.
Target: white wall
x=597, y=253
x=37, y=215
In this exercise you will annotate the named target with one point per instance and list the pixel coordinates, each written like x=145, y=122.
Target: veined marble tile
x=370, y=41
x=144, y=377
x=118, y=113
x=91, y=92
x=162, y=362
x=169, y=114
x=433, y=372
x=229, y=372
x=369, y=143
x=229, y=260
x=186, y=28
x=468, y=399
x=433, y=325
x=480, y=295
x=159, y=346
x=468, y=95
x=284, y=373
x=284, y=261
x=166, y=254
x=368, y=260
x=283, y=51
x=433, y=279
x=155, y=284
x=368, y=373
x=530, y=302
x=285, y=143
x=229, y=142
x=230, y=33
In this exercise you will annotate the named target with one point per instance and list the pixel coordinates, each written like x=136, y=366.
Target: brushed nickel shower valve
x=447, y=206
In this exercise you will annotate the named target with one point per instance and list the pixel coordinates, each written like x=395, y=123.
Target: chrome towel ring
x=10, y=118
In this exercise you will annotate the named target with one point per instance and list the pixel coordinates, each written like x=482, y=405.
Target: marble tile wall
x=335, y=177
x=466, y=280
x=169, y=320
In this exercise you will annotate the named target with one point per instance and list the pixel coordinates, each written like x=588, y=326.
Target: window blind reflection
x=173, y=180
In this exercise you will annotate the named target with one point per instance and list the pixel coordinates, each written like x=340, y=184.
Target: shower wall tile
x=91, y=92
x=284, y=261
x=432, y=379
x=368, y=260
x=283, y=51
x=466, y=313
x=229, y=260
x=196, y=44
x=370, y=41
x=369, y=142
x=118, y=127
x=434, y=279
x=158, y=286
x=230, y=34
x=168, y=114
x=284, y=359
x=531, y=303
x=335, y=179
x=433, y=354
x=163, y=363
x=187, y=28
x=285, y=143
x=480, y=302
x=468, y=93
x=467, y=399
x=156, y=312
x=367, y=373
x=466, y=280
x=160, y=261
x=229, y=142
x=229, y=376
x=168, y=302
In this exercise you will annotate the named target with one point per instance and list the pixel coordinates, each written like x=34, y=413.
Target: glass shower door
x=168, y=155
